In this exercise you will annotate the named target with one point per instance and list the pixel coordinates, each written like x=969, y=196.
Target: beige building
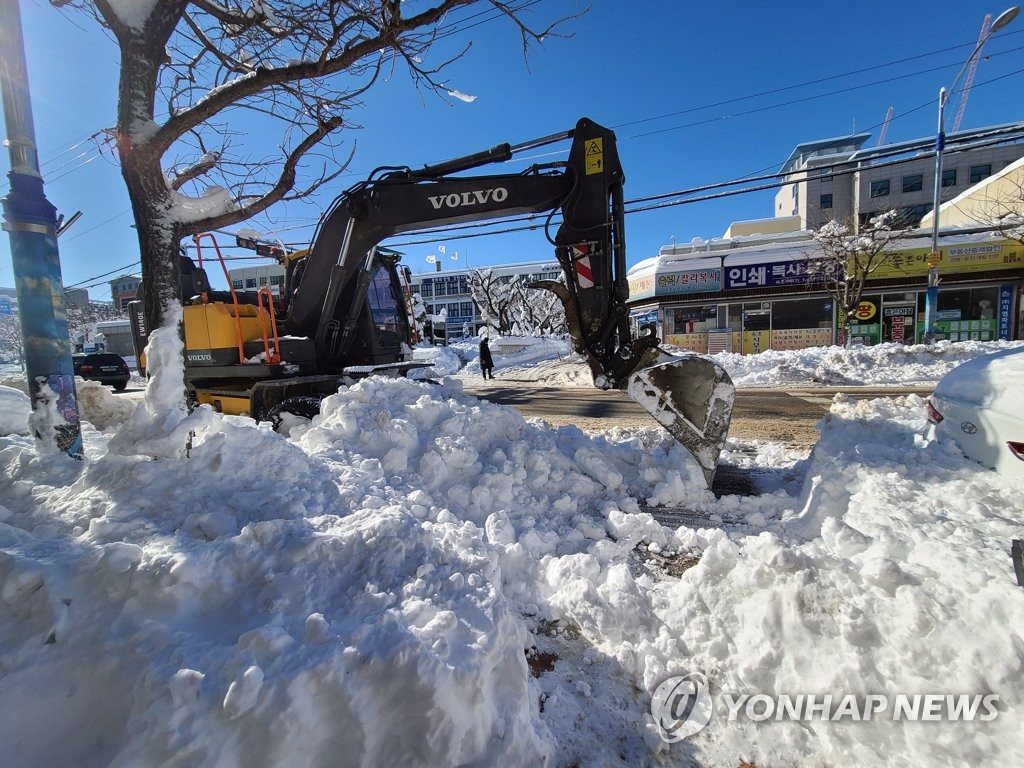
x=1000, y=196
x=839, y=178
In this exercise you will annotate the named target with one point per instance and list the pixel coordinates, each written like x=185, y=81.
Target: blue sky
x=697, y=93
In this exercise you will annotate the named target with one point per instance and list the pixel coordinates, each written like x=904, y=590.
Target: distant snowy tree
x=493, y=296
x=509, y=304
x=12, y=349
x=538, y=309
x=82, y=318
x=81, y=321
x=198, y=75
x=847, y=259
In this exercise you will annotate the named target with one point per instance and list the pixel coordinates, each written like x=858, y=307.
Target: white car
x=980, y=405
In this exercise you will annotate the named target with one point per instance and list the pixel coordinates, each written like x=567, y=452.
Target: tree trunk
x=151, y=199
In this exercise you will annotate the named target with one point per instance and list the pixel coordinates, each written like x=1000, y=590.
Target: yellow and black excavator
x=343, y=309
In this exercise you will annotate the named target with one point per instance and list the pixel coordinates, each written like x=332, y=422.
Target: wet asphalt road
x=788, y=416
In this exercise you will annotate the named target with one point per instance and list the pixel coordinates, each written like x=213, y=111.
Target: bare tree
x=847, y=258
x=193, y=71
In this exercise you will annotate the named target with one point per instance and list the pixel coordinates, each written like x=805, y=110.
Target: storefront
x=753, y=299
x=751, y=326
x=980, y=312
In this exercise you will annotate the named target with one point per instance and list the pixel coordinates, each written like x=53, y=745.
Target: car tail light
x=86, y=369
x=933, y=414
x=1017, y=449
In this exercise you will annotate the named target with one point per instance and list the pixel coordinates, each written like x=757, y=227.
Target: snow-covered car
x=979, y=405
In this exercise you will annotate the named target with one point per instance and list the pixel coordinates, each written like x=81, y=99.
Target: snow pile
x=880, y=365
x=552, y=363
x=14, y=411
x=443, y=361
x=358, y=593
x=242, y=608
x=547, y=360
x=418, y=577
x=883, y=578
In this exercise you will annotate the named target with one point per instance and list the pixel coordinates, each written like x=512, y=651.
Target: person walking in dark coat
x=486, y=361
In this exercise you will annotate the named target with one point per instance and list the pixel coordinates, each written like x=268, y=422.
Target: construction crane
x=966, y=90
x=885, y=127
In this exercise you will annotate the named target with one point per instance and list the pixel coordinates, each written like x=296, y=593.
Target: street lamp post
x=932, y=291
x=31, y=223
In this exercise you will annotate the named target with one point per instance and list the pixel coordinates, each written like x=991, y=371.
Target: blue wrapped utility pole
x=31, y=222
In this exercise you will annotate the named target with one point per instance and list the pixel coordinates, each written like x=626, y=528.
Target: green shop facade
x=747, y=295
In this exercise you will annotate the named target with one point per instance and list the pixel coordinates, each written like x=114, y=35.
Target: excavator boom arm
x=327, y=289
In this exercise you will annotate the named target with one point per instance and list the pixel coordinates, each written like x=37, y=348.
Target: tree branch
x=284, y=184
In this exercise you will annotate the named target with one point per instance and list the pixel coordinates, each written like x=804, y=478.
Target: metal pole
x=931, y=296
x=31, y=223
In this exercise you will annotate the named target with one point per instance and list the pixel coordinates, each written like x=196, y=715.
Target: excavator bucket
x=692, y=397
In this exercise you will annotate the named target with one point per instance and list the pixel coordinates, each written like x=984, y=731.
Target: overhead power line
x=659, y=201
x=683, y=196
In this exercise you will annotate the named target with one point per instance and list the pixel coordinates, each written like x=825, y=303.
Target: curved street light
x=932, y=292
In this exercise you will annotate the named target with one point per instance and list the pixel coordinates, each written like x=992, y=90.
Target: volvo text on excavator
x=342, y=311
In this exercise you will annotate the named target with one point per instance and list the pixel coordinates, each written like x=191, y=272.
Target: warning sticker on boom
x=595, y=156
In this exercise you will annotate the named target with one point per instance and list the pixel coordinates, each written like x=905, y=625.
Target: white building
x=260, y=276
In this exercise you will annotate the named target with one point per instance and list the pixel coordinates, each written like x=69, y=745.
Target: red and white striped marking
x=584, y=275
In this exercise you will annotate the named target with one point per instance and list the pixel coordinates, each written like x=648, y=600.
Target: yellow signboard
x=801, y=338
x=641, y=287
x=866, y=310
x=974, y=257
x=692, y=342
x=756, y=341
x=594, y=158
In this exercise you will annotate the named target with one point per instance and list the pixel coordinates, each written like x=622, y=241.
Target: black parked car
x=104, y=367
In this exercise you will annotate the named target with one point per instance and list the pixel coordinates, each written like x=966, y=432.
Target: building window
x=979, y=172
x=263, y=281
x=949, y=178
x=826, y=201
x=913, y=183
x=824, y=175
x=236, y=283
x=276, y=279
x=803, y=313
x=250, y=282
x=880, y=188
